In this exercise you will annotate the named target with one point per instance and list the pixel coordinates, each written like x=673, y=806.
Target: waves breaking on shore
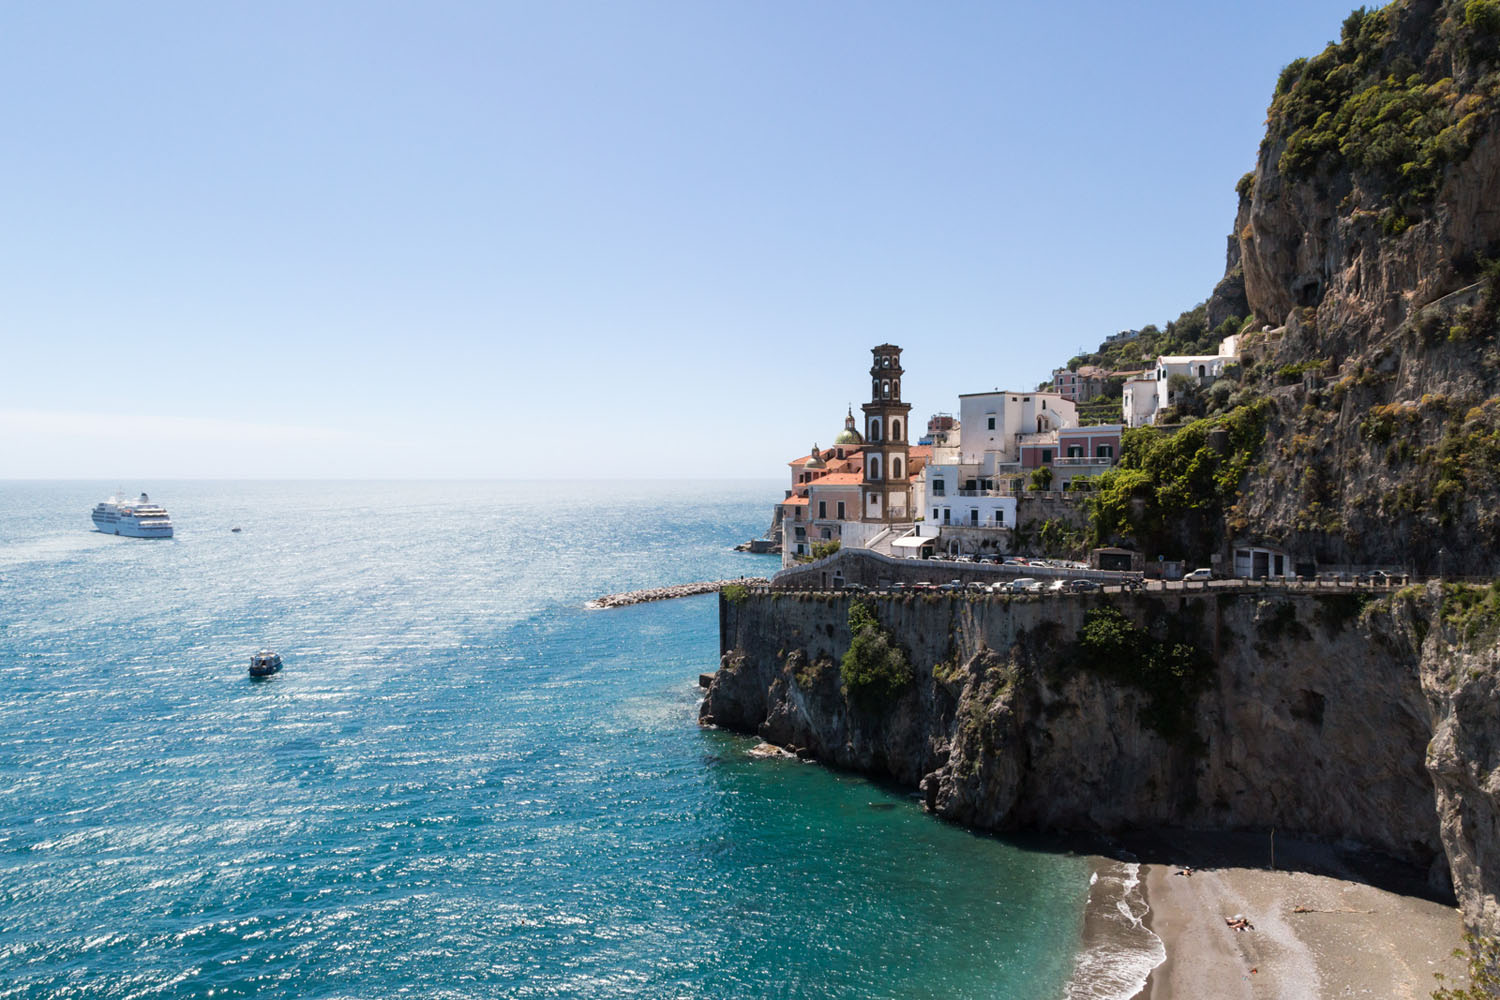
x=1118, y=951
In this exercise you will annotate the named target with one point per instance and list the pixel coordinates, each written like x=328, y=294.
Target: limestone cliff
x=1367, y=240
x=1319, y=715
x=1460, y=666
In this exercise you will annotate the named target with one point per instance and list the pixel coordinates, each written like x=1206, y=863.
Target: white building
x=1139, y=404
x=1202, y=368
x=950, y=503
x=991, y=425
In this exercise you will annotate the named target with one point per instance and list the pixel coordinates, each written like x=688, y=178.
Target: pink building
x=1072, y=451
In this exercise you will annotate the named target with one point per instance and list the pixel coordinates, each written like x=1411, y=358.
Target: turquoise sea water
x=463, y=784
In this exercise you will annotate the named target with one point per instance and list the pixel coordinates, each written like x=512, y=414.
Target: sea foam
x=1118, y=950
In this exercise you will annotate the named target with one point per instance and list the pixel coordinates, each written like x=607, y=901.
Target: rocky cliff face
x=1379, y=170
x=1460, y=671
x=1318, y=715
x=1367, y=238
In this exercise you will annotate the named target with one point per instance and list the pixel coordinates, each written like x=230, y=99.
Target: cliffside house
x=1139, y=403
x=1081, y=386
x=1201, y=368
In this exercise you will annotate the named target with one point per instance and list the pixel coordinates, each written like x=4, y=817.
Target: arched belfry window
x=896, y=468
x=874, y=467
x=896, y=388
x=874, y=428
x=885, y=390
x=895, y=430
x=875, y=388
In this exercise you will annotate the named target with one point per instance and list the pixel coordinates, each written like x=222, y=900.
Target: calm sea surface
x=463, y=784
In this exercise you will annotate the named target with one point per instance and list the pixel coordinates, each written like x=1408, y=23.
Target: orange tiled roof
x=794, y=502
x=838, y=479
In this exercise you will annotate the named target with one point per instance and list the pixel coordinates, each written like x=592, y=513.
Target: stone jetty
x=676, y=590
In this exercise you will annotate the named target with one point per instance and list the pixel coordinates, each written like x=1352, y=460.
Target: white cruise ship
x=136, y=518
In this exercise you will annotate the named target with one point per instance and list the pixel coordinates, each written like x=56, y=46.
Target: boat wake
x=1118, y=950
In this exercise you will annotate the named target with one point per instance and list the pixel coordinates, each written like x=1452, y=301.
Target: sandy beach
x=1321, y=928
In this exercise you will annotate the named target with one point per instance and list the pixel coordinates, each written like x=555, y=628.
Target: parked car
x=1015, y=561
x=1082, y=586
x=989, y=559
x=1379, y=578
x=952, y=585
x=1058, y=586
x=1202, y=575
x=858, y=588
x=975, y=587
x=1025, y=585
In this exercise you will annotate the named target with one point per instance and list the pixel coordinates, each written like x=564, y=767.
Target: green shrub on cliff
x=1364, y=106
x=1170, y=491
x=1472, y=611
x=1172, y=672
x=875, y=670
x=1189, y=333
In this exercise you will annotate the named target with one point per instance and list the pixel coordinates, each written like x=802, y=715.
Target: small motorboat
x=235, y=530
x=265, y=663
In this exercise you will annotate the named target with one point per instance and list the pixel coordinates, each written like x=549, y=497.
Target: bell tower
x=886, y=489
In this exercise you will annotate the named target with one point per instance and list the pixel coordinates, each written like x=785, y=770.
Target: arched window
x=885, y=389
x=875, y=388
x=896, y=468
x=1202, y=371
x=874, y=428
x=895, y=430
x=1039, y=425
x=896, y=388
x=874, y=467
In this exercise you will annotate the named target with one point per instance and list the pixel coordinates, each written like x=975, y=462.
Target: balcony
x=999, y=491
x=1100, y=463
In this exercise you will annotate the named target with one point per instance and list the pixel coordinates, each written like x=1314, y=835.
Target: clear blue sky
x=588, y=239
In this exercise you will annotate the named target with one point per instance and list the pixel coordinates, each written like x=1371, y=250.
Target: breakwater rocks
x=1339, y=716
x=676, y=590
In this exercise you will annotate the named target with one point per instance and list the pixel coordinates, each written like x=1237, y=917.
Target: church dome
x=813, y=461
x=850, y=434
